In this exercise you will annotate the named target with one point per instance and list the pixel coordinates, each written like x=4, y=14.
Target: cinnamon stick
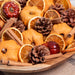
x=52, y=56
x=13, y=63
x=14, y=36
x=8, y=24
x=71, y=33
x=57, y=20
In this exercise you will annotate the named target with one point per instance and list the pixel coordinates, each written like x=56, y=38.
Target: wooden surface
x=37, y=68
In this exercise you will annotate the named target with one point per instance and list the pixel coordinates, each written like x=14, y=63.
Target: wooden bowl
x=37, y=68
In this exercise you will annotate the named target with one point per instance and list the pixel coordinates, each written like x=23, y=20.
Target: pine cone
x=22, y=2
x=19, y=25
x=68, y=17
x=58, y=7
x=37, y=53
x=44, y=26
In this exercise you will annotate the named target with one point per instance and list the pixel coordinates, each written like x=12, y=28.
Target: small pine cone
x=57, y=7
x=68, y=17
x=22, y=2
x=44, y=26
x=37, y=54
x=19, y=25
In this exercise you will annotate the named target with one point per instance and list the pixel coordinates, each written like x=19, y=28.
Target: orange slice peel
x=58, y=39
x=32, y=22
x=16, y=31
x=52, y=14
x=24, y=52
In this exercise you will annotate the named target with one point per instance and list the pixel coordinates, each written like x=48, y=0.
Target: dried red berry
x=54, y=47
x=11, y=9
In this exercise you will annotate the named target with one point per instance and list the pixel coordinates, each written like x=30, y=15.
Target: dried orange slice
x=52, y=14
x=41, y=4
x=71, y=45
x=16, y=31
x=65, y=3
x=58, y=39
x=24, y=52
x=32, y=22
x=29, y=12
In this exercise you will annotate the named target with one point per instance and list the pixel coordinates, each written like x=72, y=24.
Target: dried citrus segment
x=24, y=52
x=16, y=31
x=52, y=14
x=65, y=3
x=32, y=22
x=58, y=39
x=71, y=45
x=29, y=12
x=38, y=3
x=41, y=4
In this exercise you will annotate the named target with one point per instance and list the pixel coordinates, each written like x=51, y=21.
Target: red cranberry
x=54, y=47
x=11, y=9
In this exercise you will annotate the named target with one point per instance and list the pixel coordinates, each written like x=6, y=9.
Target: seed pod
x=3, y=11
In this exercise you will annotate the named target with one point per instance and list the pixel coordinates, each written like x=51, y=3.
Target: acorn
x=10, y=8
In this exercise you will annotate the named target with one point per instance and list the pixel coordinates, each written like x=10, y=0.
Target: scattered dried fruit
x=58, y=39
x=24, y=53
x=54, y=47
x=7, y=37
x=72, y=45
x=65, y=3
x=9, y=50
x=32, y=22
x=63, y=29
x=10, y=9
x=41, y=4
x=32, y=37
x=29, y=12
x=52, y=14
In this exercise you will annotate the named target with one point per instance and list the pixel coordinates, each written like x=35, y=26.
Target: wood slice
x=37, y=68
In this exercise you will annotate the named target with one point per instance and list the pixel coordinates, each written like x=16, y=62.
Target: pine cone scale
x=43, y=26
x=68, y=16
x=40, y=51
